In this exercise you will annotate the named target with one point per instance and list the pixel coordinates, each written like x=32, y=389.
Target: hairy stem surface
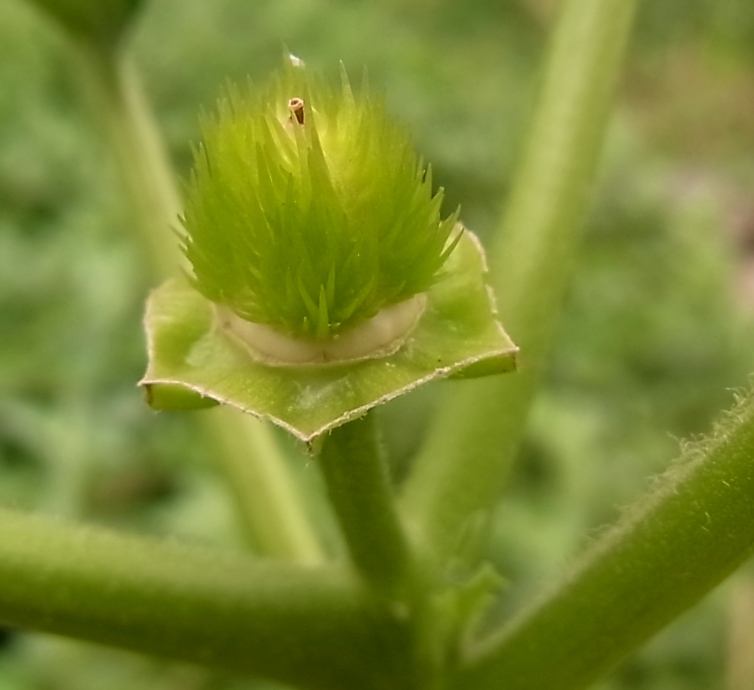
x=313, y=628
x=356, y=475
x=694, y=527
x=359, y=488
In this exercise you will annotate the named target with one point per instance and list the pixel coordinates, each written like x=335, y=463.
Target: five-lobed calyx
x=307, y=209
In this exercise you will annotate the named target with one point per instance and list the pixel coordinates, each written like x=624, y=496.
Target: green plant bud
x=323, y=280
x=101, y=22
x=308, y=212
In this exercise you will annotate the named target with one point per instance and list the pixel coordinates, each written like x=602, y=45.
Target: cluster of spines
x=312, y=214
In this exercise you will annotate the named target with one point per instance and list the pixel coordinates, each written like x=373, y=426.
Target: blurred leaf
x=100, y=22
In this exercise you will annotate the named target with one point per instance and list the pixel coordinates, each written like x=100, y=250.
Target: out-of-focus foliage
x=98, y=23
x=656, y=332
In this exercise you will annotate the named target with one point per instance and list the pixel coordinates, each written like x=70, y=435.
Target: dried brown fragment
x=296, y=106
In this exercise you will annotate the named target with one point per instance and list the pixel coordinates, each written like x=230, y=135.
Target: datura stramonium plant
x=323, y=278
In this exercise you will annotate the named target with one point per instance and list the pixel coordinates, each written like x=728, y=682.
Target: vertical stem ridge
x=356, y=475
x=459, y=472
x=358, y=485
x=267, y=500
x=115, y=96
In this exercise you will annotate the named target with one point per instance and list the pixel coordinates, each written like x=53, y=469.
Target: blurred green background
x=657, y=332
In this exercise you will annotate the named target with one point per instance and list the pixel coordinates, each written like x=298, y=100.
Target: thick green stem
x=256, y=470
x=313, y=628
x=460, y=470
x=691, y=531
x=356, y=475
x=117, y=101
x=359, y=488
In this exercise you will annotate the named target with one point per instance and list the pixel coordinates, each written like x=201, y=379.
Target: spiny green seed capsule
x=307, y=209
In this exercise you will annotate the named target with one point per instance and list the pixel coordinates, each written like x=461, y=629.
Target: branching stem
x=693, y=528
x=309, y=627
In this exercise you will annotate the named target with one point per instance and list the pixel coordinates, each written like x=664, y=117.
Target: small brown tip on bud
x=296, y=106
